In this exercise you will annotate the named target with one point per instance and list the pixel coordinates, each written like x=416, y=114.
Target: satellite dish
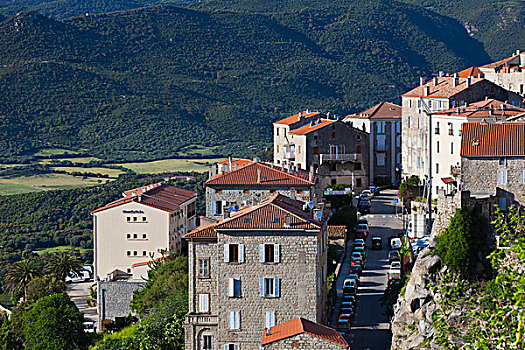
x=311, y=205
x=319, y=215
x=230, y=209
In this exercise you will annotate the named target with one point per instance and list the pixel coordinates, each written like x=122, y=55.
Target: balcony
x=289, y=155
x=338, y=157
x=202, y=320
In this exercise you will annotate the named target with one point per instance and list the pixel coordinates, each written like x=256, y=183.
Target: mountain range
x=144, y=83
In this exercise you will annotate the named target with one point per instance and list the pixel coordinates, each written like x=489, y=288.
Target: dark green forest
x=142, y=84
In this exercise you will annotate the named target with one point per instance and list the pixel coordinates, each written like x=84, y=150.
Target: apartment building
x=383, y=123
x=508, y=73
x=493, y=162
x=238, y=182
x=139, y=226
x=447, y=129
x=438, y=94
x=335, y=151
x=263, y=265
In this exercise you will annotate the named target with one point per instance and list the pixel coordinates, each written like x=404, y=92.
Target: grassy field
x=82, y=160
x=198, y=151
x=171, y=165
x=114, y=173
x=34, y=183
x=58, y=249
x=53, y=152
x=9, y=165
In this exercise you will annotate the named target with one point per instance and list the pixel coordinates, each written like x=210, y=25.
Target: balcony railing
x=289, y=155
x=345, y=157
x=202, y=319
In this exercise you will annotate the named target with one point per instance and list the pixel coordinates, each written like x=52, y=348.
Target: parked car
x=363, y=205
x=359, y=261
x=350, y=283
x=362, y=231
x=359, y=242
x=393, y=255
x=362, y=221
x=83, y=276
x=365, y=194
x=347, y=307
x=356, y=269
x=395, y=243
x=395, y=265
x=377, y=242
x=372, y=190
x=357, y=255
x=353, y=276
x=349, y=298
x=349, y=290
x=395, y=270
x=360, y=249
x=343, y=325
x=89, y=326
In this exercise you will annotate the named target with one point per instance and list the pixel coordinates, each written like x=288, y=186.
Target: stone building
x=493, y=162
x=508, y=73
x=434, y=95
x=139, y=226
x=302, y=334
x=264, y=264
x=446, y=131
x=240, y=182
x=337, y=152
x=383, y=123
x=114, y=299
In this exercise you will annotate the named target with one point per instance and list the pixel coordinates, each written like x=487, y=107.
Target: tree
x=43, y=286
x=20, y=274
x=53, y=323
x=62, y=263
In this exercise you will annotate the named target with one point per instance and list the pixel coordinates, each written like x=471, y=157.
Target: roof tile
x=489, y=108
x=493, y=139
x=443, y=89
x=295, y=118
x=383, y=110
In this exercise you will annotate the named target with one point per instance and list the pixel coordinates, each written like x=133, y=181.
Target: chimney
x=230, y=165
x=469, y=81
x=300, y=116
x=140, y=198
x=287, y=221
x=490, y=112
x=435, y=81
x=426, y=90
x=259, y=176
x=441, y=73
x=518, y=52
x=421, y=81
x=307, y=111
x=456, y=75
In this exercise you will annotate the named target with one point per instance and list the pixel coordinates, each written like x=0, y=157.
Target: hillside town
x=278, y=259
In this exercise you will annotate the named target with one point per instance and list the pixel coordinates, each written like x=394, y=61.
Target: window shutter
x=269, y=319
x=523, y=176
x=226, y=347
x=226, y=253
x=503, y=204
x=231, y=287
x=204, y=303
x=277, y=288
x=276, y=253
x=232, y=319
x=237, y=287
x=261, y=286
x=213, y=208
x=261, y=252
x=241, y=253
x=237, y=320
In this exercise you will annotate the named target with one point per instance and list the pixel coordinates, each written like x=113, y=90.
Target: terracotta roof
x=147, y=262
x=299, y=326
x=489, y=108
x=493, y=139
x=383, y=110
x=470, y=72
x=162, y=196
x=448, y=180
x=499, y=63
x=270, y=176
x=443, y=89
x=336, y=231
x=270, y=214
x=239, y=161
x=295, y=118
x=139, y=190
x=312, y=126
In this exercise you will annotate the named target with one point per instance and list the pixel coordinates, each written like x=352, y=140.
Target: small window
x=129, y=253
x=437, y=168
x=269, y=319
x=204, y=303
x=452, y=148
x=143, y=236
x=502, y=161
x=135, y=218
x=315, y=150
x=232, y=346
x=358, y=149
x=333, y=167
x=128, y=270
x=358, y=137
x=357, y=166
x=135, y=253
x=128, y=219
x=276, y=131
x=204, y=267
x=128, y=236
x=437, y=147
x=234, y=320
x=437, y=128
x=134, y=236
x=268, y=253
x=333, y=134
x=450, y=129
x=358, y=182
x=247, y=220
x=234, y=287
x=143, y=219
x=278, y=220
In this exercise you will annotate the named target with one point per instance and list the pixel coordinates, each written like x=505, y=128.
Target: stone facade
x=509, y=75
x=114, y=299
x=304, y=342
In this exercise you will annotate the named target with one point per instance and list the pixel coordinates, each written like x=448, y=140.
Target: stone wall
x=304, y=341
x=114, y=297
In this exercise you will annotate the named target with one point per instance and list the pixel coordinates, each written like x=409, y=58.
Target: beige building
x=141, y=225
x=335, y=151
x=263, y=265
x=434, y=95
x=383, y=123
x=239, y=182
x=447, y=129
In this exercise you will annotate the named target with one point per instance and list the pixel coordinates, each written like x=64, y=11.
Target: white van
x=83, y=276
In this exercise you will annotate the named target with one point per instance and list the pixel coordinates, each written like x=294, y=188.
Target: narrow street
x=371, y=329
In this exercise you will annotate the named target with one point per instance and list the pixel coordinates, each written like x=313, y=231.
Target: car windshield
x=352, y=277
x=395, y=265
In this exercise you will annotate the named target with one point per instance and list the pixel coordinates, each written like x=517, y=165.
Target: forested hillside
x=143, y=83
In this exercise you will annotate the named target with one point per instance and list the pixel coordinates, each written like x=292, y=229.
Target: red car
x=359, y=262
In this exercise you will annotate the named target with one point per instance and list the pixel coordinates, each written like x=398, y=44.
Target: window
x=410, y=103
x=381, y=142
x=276, y=131
x=144, y=253
x=437, y=168
x=269, y=287
x=523, y=176
x=143, y=219
x=358, y=149
x=418, y=162
x=204, y=267
x=128, y=219
x=398, y=158
x=452, y=148
x=437, y=146
x=234, y=320
x=234, y=253
x=437, y=128
x=246, y=191
x=450, y=129
x=502, y=177
x=135, y=253
x=503, y=204
x=409, y=142
x=315, y=150
x=418, y=122
x=129, y=252
x=358, y=182
x=460, y=129
x=128, y=270
x=398, y=141
x=277, y=148
x=418, y=103
x=269, y=319
x=234, y=287
x=216, y=207
x=207, y=340
x=299, y=149
x=430, y=104
x=501, y=161
x=440, y=105
x=232, y=346
x=128, y=236
x=398, y=127
x=134, y=236
x=409, y=122
x=269, y=253
x=333, y=134
x=380, y=127
x=144, y=236
x=381, y=159
x=204, y=303
x=333, y=167
x=333, y=181
x=357, y=166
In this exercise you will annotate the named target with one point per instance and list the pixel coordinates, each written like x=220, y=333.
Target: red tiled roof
x=147, y=262
x=239, y=161
x=443, y=89
x=270, y=175
x=299, y=326
x=499, y=63
x=336, y=231
x=140, y=190
x=489, y=108
x=270, y=214
x=493, y=139
x=312, y=126
x=295, y=118
x=469, y=72
x=448, y=180
x=383, y=110
x=162, y=196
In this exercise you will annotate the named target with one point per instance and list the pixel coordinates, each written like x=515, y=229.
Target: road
x=371, y=329
x=79, y=292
